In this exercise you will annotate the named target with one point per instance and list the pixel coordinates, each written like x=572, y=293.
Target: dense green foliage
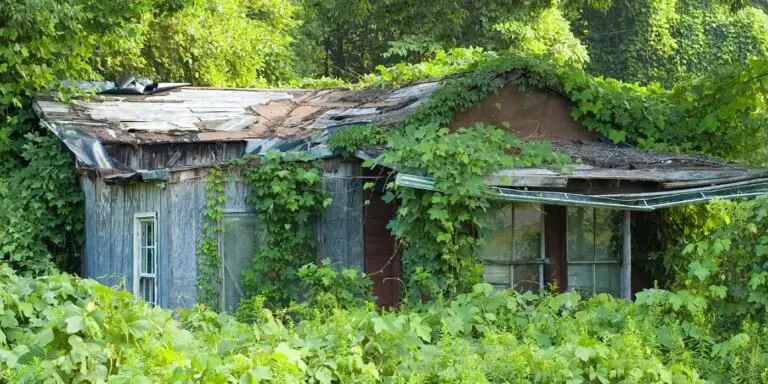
x=286, y=195
x=59, y=329
x=724, y=257
x=722, y=114
x=240, y=43
x=208, y=258
x=348, y=40
x=670, y=40
x=41, y=220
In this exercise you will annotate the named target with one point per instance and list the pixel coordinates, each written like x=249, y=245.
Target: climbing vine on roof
x=439, y=231
x=721, y=114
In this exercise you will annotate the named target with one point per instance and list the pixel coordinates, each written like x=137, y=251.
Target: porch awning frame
x=632, y=202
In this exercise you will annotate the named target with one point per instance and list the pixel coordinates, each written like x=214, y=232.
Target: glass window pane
x=498, y=238
x=526, y=277
x=144, y=233
x=608, y=238
x=150, y=268
x=497, y=275
x=147, y=290
x=143, y=288
x=527, y=232
x=152, y=295
x=143, y=260
x=608, y=278
x=238, y=245
x=150, y=233
x=580, y=227
x=580, y=278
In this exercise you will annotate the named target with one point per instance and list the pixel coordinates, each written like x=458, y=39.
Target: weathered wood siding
x=340, y=229
x=179, y=155
x=109, y=213
x=179, y=204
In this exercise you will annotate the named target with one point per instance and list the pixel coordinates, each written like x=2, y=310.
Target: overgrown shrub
x=287, y=195
x=327, y=288
x=62, y=329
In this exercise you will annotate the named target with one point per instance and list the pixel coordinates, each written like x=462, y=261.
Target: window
x=593, y=250
x=145, y=257
x=237, y=246
x=513, y=256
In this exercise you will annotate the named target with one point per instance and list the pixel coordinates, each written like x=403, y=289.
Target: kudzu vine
x=208, y=258
x=439, y=231
x=286, y=195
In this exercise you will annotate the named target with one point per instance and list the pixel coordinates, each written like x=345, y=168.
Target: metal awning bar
x=634, y=202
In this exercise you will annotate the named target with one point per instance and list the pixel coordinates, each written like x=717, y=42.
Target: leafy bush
x=327, y=288
x=725, y=259
x=242, y=43
x=352, y=138
x=62, y=329
x=41, y=222
x=287, y=195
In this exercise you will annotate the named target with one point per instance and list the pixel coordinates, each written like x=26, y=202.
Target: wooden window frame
x=541, y=262
x=594, y=262
x=138, y=219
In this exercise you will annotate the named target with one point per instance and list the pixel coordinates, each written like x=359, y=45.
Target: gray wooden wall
x=179, y=204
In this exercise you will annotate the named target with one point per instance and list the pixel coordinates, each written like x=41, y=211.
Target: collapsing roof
x=286, y=120
x=220, y=115
x=302, y=120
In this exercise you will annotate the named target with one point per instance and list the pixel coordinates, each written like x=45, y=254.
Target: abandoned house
x=143, y=160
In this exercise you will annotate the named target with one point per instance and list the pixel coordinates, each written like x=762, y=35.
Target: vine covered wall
x=287, y=195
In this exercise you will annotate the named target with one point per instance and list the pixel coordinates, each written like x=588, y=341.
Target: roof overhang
x=632, y=202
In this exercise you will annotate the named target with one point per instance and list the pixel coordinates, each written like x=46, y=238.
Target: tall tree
x=350, y=37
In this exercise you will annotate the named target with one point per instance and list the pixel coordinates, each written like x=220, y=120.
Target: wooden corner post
x=626, y=260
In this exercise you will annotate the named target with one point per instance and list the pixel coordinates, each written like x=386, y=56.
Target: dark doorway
x=382, y=260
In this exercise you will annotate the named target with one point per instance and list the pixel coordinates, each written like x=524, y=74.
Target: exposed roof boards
x=210, y=114
x=294, y=119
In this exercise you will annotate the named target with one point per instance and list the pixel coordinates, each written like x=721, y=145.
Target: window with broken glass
x=594, y=250
x=513, y=256
x=145, y=257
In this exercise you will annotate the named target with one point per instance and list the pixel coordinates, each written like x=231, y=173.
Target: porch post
x=626, y=261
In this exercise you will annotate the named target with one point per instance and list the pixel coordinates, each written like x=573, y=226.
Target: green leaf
x=291, y=354
x=75, y=324
x=583, y=353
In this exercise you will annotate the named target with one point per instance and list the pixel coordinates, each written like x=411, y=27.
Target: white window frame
x=594, y=262
x=138, y=219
